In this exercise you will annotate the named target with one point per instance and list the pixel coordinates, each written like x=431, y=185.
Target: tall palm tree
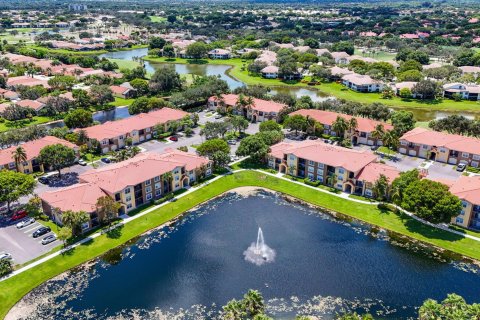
x=19, y=155
x=391, y=140
x=168, y=177
x=254, y=303
x=429, y=310
x=340, y=125
x=353, y=125
x=378, y=132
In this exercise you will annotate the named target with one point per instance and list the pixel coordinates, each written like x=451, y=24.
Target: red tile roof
x=450, y=141
x=32, y=148
x=79, y=197
x=258, y=104
x=318, y=151
x=467, y=188
x=112, y=129
x=32, y=104
x=372, y=172
x=329, y=117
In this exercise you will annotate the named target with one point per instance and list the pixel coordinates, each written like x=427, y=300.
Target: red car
x=173, y=138
x=19, y=215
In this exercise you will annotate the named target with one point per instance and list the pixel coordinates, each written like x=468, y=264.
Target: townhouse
x=362, y=134
x=123, y=92
x=32, y=150
x=132, y=183
x=270, y=72
x=344, y=169
x=219, y=54
x=340, y=57
x=442, y=147
x=465, y=91
x=362, y=83
x=260, y=110
x=112, y=134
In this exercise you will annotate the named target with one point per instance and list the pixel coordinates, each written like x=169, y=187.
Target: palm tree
x=378, y=133
x=19, y=155
x=340, y=125
x=391, y=140
x=254, y=303
x=168, y=177
x=429, y=310
x=353, y=125
x=310, y=125
x=134, y=151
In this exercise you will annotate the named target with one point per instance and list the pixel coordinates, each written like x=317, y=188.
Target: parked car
x=41, y=231
x=461, y=167
x=25, y=222
x=19, y=215
x=374, y=148
x=43, y=180
x=173, y=138
x=5, y=256
x=106, y=160
x=218, y=116
x=312, y=138
x=48, y=239
x=327, y=141
x=232, y=142
x=82, y=162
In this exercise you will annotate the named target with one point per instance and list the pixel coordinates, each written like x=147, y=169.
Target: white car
x=5, y=256
x=232, y=142
x=25, y=222
x=48, y=239
x=82, y=162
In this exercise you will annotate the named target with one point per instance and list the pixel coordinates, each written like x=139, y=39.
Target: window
x=104, y=142
x=476, y=157
x=26, y=171
x=148, y=189
x=158, y=192
x=320, y=165
x=462, y=212
x=148, y=182
x=320, y=178
x=339, y=185
x=176, y=171
x=128, y=199
x=403, y=143
x=11, y=165
x=340, y=178
x=127, y=190
x=129, y=206
x=310, y=169
x=341, y=171
x=156, y=179
x=292, y=157
x=425, y=147
x=85, y=226
x=120, y=138
x=459, y=220
x=117, y=197
x=149, y=196
x=311, y=163
x=464, y=204
x=465, y=154
x=310, y=176
x=157, y=185
x=368, y=192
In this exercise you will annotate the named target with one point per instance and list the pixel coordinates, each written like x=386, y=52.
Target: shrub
x=312, y=183
x=168, y=197
x=5, y=267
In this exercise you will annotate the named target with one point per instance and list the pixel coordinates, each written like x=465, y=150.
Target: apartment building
x=132, y=183
x=362, y=83
x=341, y=168
x=32, y=149
x=442, y=147
x=363, y=133
x=260, y=110
x=112, y=134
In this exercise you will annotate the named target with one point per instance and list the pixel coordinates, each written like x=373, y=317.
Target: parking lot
x=21, y=244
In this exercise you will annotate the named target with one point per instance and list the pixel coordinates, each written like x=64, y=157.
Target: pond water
x=100, y=116
x=321, y=265
x=221, y=70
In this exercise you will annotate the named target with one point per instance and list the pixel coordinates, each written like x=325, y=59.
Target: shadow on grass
x=415, y=226
x=115, y=233
x=197, y=61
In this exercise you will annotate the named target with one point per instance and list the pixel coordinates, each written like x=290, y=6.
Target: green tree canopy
x=14, y=185
x=57, y=156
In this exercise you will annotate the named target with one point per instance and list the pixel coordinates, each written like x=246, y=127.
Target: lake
x=322, y=265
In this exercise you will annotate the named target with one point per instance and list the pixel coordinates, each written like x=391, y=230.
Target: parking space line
x=32, y=228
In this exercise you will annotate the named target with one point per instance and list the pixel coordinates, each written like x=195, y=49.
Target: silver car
x=5, y=256
x=25, y=222
x=48, y=239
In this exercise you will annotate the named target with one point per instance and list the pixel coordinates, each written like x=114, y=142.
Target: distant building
x=77, y=7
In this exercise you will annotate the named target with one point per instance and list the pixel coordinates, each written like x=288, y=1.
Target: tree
x=197, y=50
x=378, y=132
x=296, y=122
x=239, y=123
x=107, y=209
x=427, y=89
x=388, y=93
x=74, y=220
x=400, y=184
x=253, y=146
x=403, y=121
x=64, y=234
x=141, y=85
x=410, y=65
x=156, y=43
x=210, y=147
x=140, y=105
x=78, y=118
x=269, y=125
x=5, y=267
x=452, y=307
x=431, y=201
x=34, y=206
x=165, y=79
x=405, y=93
x=320, y=72
x=168, y=51
x=62, y=82
x=57, y=156
x=14, y=185
x=271, y=137
x=340, y=125
x=101, y=94
x=390, y=139
x=410, y=75
x=254, y=303
x=19, y=155
x=220, y=159
x=343, y=46
x=381, y=188
x=82, y=99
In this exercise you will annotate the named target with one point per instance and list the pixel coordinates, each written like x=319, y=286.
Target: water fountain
x=258, y=252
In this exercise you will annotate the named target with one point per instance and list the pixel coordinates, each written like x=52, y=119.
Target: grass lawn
x=334, y=89
x=121, y=102
x=125, y=64
x=157, y=19
x=15, y=288
x=386, y=151
x=379, y=55
x=70, y=52
x=9, y=125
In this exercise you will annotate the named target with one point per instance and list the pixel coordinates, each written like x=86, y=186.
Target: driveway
x=21, y=244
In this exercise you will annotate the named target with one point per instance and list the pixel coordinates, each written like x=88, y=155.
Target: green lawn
x=9, y=125
x=15, y=288
x=379, y=55
x=125, y=64
x=386, y=151
x=157, y=19
x=121, y=102
x=70, y=52
x=334, y=89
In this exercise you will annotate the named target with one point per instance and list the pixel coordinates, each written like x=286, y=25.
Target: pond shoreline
x=13, y=289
